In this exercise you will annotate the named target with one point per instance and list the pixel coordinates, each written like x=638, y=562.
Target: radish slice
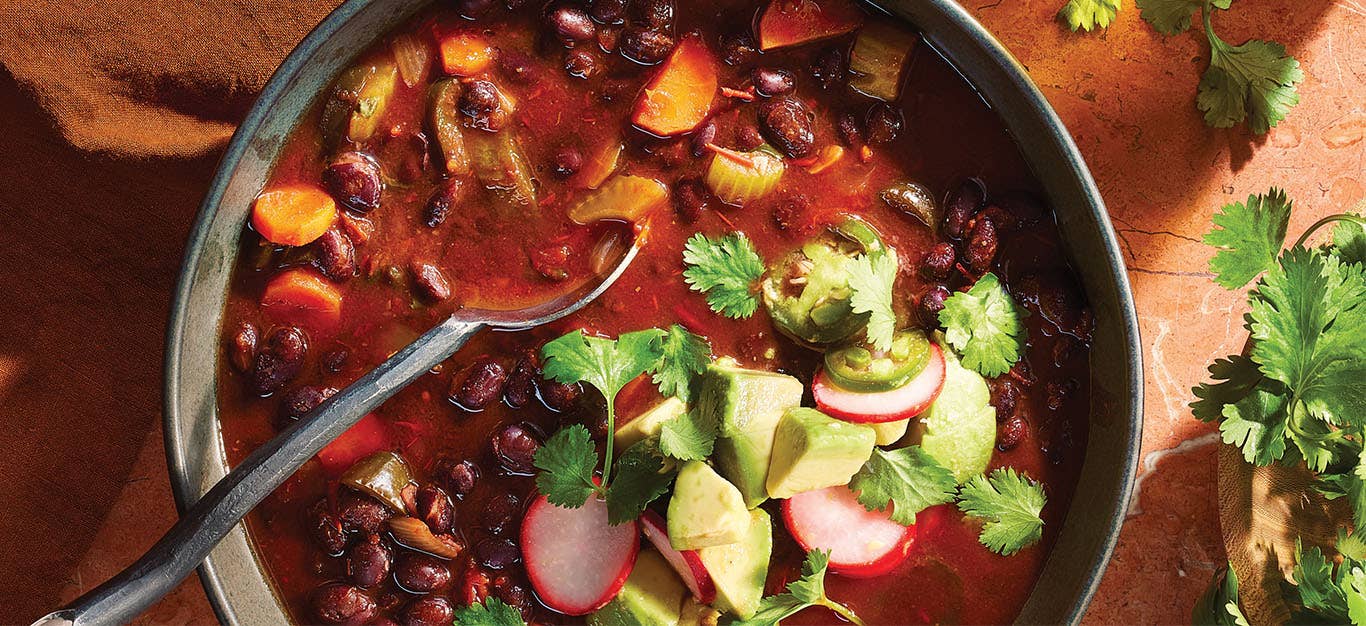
x=686, y=562
x=576, y=561
x=906, y=401
x=862, y=543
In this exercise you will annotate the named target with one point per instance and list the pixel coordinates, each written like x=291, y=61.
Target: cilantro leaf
x=1350, y=545
x=1349, y=241
x=983, y=324
x=807, y=591
x=683, y=356
x=1349, y=482
x=1248, y=237
x=492, y=612
x=871, y=278
x=567, y=461
x=1169, y=17
x=603, y=363
x=1309, y=332
x=1218, y=606
x=1010, y=503
x=641, y=478
x=1254, y=82
x=686, y=438
x=1314, y=582
x=909, y=480
x=1088, y=14
x=1236, y=375
x=725, y=269
x=1257, y=425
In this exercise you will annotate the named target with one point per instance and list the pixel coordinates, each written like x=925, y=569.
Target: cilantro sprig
x=871, y=278
x=1328, y=592
x=983, y=325
x=1248, y=237
x=490, y=612
x=727, y=270
x=803, y=593
x=683, y=356
x=1009, y=503
x=908, y=480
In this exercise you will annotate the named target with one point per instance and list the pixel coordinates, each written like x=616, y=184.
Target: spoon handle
x=205, y=523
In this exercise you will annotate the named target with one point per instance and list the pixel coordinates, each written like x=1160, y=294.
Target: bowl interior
x=234, y=579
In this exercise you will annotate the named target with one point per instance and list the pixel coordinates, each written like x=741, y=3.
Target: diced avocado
x=705, y=509
x=812, y=450
x=746, y=405
x=695, y=613
x=652, y=596
x=647, y=424
x=889, y=433
x=959, y=428
x=738, y=570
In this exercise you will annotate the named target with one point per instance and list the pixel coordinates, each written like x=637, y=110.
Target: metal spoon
x=185, y=545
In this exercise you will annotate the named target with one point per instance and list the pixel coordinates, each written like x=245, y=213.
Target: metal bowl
x=234, y=578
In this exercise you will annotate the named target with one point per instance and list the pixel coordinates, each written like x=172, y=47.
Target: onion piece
x=413, y=57
x=413, y=533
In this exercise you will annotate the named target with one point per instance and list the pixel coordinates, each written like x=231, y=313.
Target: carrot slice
x=599, y=164
x=293, y=215
x=302, y=296
x=793, y=22
x=463, y=54
x=680, y=96
x=366, y=437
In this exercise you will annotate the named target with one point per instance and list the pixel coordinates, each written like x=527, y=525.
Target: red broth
x=500, y=255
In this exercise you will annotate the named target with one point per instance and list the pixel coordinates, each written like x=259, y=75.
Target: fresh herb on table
x=1010, y=505
x=1253, y=83
x=1298, y=394
x=725, y=269
x=807, y=591
x=871, y=277
x=908, y=479
x=491, y=612
x=983, y=324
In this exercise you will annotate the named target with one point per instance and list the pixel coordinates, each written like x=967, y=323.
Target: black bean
x=653, y=14
x=738, y=48
x=1011, y=433
x=481, y=386
x=770, y=82
x=931, y=303
x=748, y=138
x=368, y=562
x=336, y=255
x=280, y=361
x=459, y=477
x=326, y=529
x=480, y=101
x=884, y=123
x=788, y=212
x=1005, y=396
x=689, y=199
x=647, y=47
x=334, y=360
x=1059, y=393
x=1004, y=221
x=558, y=396
x=474, y=9
x=242, y=346
x=497, y=554
x=300, y=400
x=515, y=446
x=354, y=182
x=336, y=603
x=829, y=68
x=447, y=194
x=568, y=160
x=607, y=11
x=961, y=206
x=582, y=63
x=360, y=513
x=421, y=573
x=521, y=383
x=704, y=135
x=515, y=596
x=939, y=261
x=571, y=25
x=428, y=611
x=982, y=244
x=501, y=513
x=430, y=282
x=786, y=123
x=847, y=127
x=434, y=507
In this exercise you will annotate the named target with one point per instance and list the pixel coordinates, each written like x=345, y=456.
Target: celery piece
x=741, y=177
x=622, y=197
x=879, y=57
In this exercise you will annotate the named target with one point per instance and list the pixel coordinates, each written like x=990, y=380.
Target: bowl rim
x=177, y=453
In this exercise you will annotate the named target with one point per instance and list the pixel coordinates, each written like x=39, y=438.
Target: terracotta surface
x=1126, y=94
